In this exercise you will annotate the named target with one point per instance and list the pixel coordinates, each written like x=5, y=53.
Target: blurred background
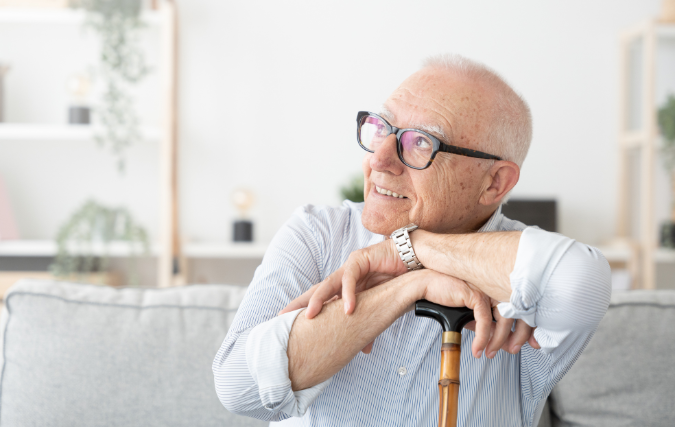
x=133, y=127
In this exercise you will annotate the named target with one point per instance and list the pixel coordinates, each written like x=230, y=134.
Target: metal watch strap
x=401, y=239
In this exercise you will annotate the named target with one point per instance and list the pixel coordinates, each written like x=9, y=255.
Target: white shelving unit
x=47, y=132
x=58, y=16
x=168, y=250
x=647, y=75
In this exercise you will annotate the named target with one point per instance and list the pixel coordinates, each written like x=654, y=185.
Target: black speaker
x=539, y=212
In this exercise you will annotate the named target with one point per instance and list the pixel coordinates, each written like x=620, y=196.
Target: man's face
x=445, y=197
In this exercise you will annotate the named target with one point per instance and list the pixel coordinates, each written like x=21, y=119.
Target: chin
x=378, y=223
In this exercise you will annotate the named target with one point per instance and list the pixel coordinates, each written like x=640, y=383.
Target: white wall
x=270, y=90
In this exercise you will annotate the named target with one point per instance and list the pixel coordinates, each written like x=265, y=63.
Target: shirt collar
x=493, y=222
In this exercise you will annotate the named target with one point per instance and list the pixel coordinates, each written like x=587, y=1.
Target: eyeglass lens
x=416, y=147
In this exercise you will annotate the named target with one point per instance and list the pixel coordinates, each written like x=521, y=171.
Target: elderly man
x=442, y=155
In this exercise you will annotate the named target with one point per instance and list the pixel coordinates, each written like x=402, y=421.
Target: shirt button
x=402, y=371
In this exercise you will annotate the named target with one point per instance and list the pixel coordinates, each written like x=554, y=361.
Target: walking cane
x=452, y=320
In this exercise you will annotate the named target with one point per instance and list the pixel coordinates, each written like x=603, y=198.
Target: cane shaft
x=448, y=385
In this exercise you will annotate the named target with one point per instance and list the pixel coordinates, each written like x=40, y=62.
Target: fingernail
x=346, y=308
x=478, y=354
x=492, y=354
x=516, y=349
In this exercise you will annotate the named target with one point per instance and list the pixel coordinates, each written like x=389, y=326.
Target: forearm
x=484, y=260
x=318, y=348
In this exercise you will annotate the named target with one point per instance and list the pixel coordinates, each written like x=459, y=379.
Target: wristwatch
x=401, y=239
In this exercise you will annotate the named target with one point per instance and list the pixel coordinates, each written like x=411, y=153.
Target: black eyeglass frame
x=439, y=146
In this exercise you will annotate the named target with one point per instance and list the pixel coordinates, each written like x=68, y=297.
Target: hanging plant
x=94, y=226
x=122, y=64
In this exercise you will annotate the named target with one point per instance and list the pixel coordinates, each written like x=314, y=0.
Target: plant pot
x=667, y=237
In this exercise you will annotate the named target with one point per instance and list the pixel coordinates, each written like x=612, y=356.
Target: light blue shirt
x=558, y=285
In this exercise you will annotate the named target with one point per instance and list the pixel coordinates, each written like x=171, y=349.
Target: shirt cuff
x=267, y=363
x=539, y=252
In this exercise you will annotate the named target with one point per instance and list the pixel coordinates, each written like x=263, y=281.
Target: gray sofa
x=85, y=355
x=626, y=375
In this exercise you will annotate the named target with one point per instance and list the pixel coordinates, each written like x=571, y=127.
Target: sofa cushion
x=625, y=377
x=85, y=355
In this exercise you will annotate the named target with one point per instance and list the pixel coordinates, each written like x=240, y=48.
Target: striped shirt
x=558, y=285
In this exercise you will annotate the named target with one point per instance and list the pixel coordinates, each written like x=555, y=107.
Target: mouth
x=389, y=193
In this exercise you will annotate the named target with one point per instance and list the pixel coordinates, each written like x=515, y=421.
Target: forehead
x=429, y=128
x=438, y=99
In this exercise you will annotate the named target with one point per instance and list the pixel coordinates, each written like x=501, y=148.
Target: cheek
x=447, y=195
x=365, y=165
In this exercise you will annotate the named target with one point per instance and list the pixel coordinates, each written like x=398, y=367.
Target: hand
x=490, y=337
x=379, y=263
x=364, y=269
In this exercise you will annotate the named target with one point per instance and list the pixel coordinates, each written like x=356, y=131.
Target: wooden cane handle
x=448, y=385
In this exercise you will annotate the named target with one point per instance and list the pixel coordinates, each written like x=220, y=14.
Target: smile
x=386, y=192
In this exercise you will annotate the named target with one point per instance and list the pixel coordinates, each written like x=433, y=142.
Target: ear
x=499, y=180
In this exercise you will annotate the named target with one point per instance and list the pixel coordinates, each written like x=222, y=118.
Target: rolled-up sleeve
x=267, y=359
x=560, y=286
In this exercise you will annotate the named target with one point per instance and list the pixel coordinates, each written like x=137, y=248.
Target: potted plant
x=354, y=189
x=83, y=243
x=666, y=120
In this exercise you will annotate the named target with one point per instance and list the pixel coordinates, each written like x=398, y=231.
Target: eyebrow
x=433, y=129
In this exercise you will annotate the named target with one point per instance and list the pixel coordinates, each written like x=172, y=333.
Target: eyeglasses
x=416, y=148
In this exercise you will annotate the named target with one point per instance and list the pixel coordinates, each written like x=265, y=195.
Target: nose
x=385, y=158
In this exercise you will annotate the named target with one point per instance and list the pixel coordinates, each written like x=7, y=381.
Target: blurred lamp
x=79, y=87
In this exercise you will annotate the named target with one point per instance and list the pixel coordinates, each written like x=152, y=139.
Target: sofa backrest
x=626, y=375
x=86, y=355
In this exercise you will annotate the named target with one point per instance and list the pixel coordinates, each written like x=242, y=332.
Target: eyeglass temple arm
x=445, y=148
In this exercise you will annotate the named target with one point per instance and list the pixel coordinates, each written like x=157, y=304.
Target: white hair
x=509, y=131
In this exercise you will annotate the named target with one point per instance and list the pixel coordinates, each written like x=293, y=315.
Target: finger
x=350, y=277
x=501, y=334
x=533, y=341
x=483, y=315
x=357, y=267
x=367, y=349
x=325, y=291
x=471, y=326
x=518, y=337
x=300, y=302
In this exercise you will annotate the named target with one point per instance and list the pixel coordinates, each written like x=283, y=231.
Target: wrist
x=419, y=241
x=413, y=286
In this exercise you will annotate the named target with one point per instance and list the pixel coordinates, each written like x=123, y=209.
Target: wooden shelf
x=666, y=31
x=615, y=253
x=48, y=132
x=57, y=16
x=47, y=248
x=664, y=255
